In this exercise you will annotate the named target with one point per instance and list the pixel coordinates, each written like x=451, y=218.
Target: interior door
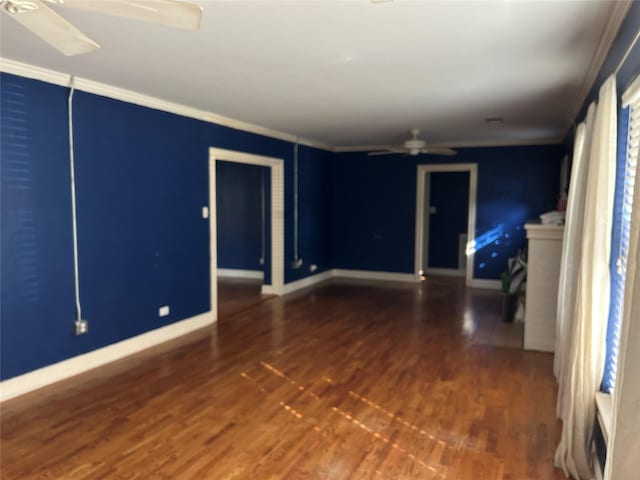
x=448, y=215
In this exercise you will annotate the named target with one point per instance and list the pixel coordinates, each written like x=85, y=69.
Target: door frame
x=276, y=166
x=423, y=178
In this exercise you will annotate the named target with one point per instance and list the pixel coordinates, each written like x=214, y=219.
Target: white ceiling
x=353, y=73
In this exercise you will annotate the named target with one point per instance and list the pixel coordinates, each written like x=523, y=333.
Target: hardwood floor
x=237, y=294
x=344, y=381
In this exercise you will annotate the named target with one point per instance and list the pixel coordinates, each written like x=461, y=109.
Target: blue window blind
x=626, y=166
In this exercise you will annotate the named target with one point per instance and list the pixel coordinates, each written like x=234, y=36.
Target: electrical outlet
x=261, y=261
x=313, y=267
x=82, y=327
x=163, y=311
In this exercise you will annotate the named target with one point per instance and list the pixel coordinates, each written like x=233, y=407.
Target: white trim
x=213, y=237
x=117, y=93
x=519, y=142
x=308, y=281
x=361, y=148
x=238, y=273
x=277, y=214
x=50, y=374
x=422, y=222
x=604, y=409
x=375, y=275
x=485, y=283
x=446, y=272
x=538, y=231
x=458, y=144
x=616, y=17
x=342, y=273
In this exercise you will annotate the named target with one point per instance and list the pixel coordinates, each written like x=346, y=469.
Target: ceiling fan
x=36, y=16
x=414, y=146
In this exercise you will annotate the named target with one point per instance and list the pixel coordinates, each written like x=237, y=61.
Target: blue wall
x=449, y=194
x=142, y=180
x=239, y=215
x=314, y=213
x=374, y=202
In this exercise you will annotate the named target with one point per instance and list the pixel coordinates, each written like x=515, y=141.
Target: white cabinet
x=543, y=273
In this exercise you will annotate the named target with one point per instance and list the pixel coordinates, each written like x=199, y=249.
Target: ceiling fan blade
x=388, y=151
x=53, y=29
x=439, y=151
x=171, y=13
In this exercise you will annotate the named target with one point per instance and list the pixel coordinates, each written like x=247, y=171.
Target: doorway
x=271, y=230
x=445, y=220
x=242, y=215
x=445, y=238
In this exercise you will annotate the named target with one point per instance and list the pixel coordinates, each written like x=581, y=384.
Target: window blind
x=625, y=184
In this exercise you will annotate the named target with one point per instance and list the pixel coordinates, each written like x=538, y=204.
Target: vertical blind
x=629, y=133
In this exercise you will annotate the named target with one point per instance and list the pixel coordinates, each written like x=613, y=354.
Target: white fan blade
x=388, y=151
x=439, y=151
x=54, y=29
x=165, y=12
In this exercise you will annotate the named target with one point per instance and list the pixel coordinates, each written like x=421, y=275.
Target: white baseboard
x=485, y=283
x=375, y=275
x=50, y=374
x=238, y=273
x=307, y=281
x=340, y=273
x=447, y=272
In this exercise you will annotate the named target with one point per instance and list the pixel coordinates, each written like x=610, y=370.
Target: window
x=629, y=138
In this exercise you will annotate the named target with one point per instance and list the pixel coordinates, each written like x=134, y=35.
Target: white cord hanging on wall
x=297, y=261
x=81, y=325
x=263, y=215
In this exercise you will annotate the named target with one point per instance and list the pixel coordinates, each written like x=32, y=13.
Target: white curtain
x=582, y=372
x=572, y=242
x=624, y=441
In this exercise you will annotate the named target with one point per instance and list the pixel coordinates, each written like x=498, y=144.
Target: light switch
x=205, y=212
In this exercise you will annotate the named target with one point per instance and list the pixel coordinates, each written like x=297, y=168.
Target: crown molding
x=459, y=144
x=359, y=148
x=90, y=86
x=520, y=142
x=620, y=9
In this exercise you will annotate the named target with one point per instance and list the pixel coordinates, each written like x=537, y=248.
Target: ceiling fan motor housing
x=414, y=146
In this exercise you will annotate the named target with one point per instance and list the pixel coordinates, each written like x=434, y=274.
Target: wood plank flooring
x=348, y=380
x=238, y=294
